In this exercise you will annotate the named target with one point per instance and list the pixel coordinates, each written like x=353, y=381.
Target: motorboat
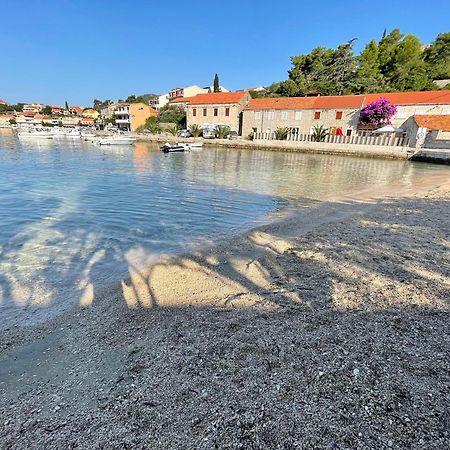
x=174, y=148
x=195, y=145
x=35, y=133
x=120, y=139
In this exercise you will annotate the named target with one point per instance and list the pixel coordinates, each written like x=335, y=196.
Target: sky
x=76, y=50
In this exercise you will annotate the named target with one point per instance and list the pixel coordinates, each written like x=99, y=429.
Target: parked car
x=184, y=133
x=233, y=135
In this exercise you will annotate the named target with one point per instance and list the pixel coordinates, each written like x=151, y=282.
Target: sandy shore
x=327, y=330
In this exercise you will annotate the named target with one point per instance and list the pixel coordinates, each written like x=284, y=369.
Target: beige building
x=340, y=114
x=130, y=116
x=220, y=108
x=32, y=108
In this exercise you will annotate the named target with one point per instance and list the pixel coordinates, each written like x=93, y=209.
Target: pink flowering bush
x=377, y=113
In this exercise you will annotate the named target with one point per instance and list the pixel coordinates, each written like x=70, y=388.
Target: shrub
x=222, y=131
x=377, y=113
x=281, y=133
x=196, y=130
x=319, y=133
x=172, y=129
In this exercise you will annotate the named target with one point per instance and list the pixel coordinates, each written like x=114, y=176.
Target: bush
x=196, y=130
x=173, y=129
x=377, y=113
x=222, y=131
x=281, y=133
x=319, y=133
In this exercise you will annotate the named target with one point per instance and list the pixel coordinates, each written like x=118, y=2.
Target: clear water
x=74, y=214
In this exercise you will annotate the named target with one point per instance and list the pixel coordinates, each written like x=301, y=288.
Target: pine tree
x=216, y=83
x=368, y=75
x=66, y=105
x=408, y=69
x=437, y=57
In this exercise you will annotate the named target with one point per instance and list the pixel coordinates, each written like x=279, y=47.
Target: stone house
x=338, y=113
x=220, y=108
x=428, y=131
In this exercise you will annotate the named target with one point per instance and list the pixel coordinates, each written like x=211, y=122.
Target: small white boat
x=121, y=139
x=73, y=133
x=88, y=136
x=35, y=133
x=195, y=145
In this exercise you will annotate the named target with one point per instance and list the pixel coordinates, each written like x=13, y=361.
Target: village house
x=428, y=130
x=76, y=110
x=130, y=116
x=2, y=102
x=56, y=110
x=340, y=114
x=90, y=113
x=32, y=108
x=220, y=108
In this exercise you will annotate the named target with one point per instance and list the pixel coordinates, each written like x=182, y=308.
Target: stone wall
x=302, y=120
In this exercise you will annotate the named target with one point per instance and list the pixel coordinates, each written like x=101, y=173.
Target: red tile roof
x=349, y=101
x=217, y=98
x=412, y=98
x=181, y=100
x=433, y=121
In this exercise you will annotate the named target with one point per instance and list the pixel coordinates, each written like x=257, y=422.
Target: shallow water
x=74, y=215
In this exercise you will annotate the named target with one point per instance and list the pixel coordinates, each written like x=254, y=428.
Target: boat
x=73, y=133
x=35, y=133
x=120, y=139
x=195, y=145
x=174, y=148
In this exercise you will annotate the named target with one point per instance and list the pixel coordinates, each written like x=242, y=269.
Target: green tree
x=216, y=83
x=368, y=77
x=437, y=57
x=408, y=70
x=13, y=121
x=172, y=114
x=341, y=69
x=386, y=49
x=47, y=110
x=196, y=130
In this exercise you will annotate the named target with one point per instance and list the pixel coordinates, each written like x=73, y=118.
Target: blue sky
x=79, y=50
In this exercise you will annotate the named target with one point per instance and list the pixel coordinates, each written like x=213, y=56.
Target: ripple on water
x=74, y=215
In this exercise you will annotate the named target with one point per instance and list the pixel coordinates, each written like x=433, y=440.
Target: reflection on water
x=75, y=217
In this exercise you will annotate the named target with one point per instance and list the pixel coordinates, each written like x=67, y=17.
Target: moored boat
x=174, y=148
x=35, y=133
x=118, y=140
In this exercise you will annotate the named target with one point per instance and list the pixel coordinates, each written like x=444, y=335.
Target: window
x=258, y=115
x=227, y=111
x=270, y=115
x=317, y=115
x=194, y=112
x=400, y=114
x=216, y=112
x=338, y=115
x=205, y=112
x=298, y=115
x=284, y=115
x=349, y=132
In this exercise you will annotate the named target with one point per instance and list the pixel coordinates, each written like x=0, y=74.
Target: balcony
x=123, y=121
